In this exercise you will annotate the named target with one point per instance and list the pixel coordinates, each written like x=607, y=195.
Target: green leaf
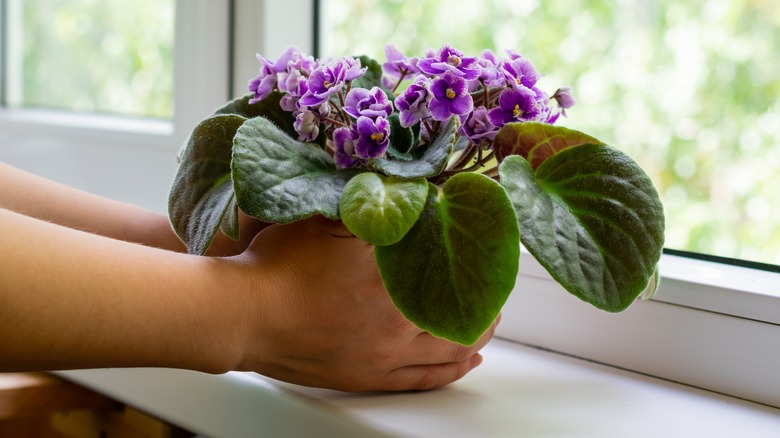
x=279, y=179
x=268, y=108
x=401, y=139
x=537, y=142
x=592, y=218
x=453, y=271
x=426, y=163
x=229, y=224
x=202, y=191
x=381, y=209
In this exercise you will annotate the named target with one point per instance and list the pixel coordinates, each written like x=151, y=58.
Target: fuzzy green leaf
x=381, y=209
x=401, y=139
x=427, y=162
x=202, y=191
x=592, y=218
x=268, y=108
x=537, y=142
x=453, y=271
x=279, y=179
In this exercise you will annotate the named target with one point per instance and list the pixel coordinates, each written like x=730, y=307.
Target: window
x=90, y=56
x=108, y=91
x=689, y=89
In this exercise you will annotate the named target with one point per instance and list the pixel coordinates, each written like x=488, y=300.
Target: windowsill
x=518, y=391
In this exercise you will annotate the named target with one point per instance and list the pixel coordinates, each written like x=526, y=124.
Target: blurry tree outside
x=690, y=90
x=96, y=56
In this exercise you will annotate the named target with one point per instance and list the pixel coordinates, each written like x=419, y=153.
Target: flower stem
x=344, y=114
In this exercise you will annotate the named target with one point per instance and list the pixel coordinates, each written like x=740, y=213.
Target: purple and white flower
x=327, y=80
x=307, y=125
x=565, y=97
x=369, y=103
x=413, y=103
x=373, y=137
x=476, y=126
x=397, y=66
x=450, y=59
x=344, y=139
x=520, y=72
x=489, y=73
x=515, y=105
x=450, y=96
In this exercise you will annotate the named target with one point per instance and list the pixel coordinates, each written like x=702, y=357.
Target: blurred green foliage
x=690, y=89
x=97, y=56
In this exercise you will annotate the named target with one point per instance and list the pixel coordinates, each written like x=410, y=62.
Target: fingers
x=427, y=349
x=425, y=377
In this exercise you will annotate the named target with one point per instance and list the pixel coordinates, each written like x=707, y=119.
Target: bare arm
x=303, y=304
x=50, y=201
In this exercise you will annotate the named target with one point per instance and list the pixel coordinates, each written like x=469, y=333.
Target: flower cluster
x=485, y=92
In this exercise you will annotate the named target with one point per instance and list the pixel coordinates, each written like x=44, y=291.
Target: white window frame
x=201, y=72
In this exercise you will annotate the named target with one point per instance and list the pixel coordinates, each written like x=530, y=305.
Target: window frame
x=201, y=35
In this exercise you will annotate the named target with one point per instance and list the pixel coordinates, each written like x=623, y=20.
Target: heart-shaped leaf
x=202, y=191
x=537, y=142
x=280, y=179
x=381, y=209
x=592, y=217
x=453, y=271
x=430, y=162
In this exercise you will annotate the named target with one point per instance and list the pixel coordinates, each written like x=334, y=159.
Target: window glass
x=690, y=89
x=92, y=55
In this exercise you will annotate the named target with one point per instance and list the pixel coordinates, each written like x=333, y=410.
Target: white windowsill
x=518, y=391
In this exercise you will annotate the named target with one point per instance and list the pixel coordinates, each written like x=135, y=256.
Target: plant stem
x=404, y=72
x=344, y=114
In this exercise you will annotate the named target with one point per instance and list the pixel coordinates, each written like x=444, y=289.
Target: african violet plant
x=445, y=163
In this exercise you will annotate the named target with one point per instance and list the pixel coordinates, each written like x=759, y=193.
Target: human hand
x=321, y=317
x=248, y=227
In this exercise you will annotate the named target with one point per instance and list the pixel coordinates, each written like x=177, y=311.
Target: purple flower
x=519, y=105
x=352, y=68
x=413, y=103
x=297, y=68
x=307, y=125
x=344, y=147
x=450, y=96
x=520, y=72
x=373, y=137
x=477, y=126
x=449, y=59
x=373, y=104
x=489, y=70
x=265, y=82
x=397, y=66
x=327, y=80
x=565, y=97
x=262, y=85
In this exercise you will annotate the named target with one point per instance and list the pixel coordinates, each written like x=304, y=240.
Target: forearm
x=50, y=201
x=70, y=299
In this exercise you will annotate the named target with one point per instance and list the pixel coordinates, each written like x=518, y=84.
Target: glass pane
x=93, y=55
x=689, y=89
